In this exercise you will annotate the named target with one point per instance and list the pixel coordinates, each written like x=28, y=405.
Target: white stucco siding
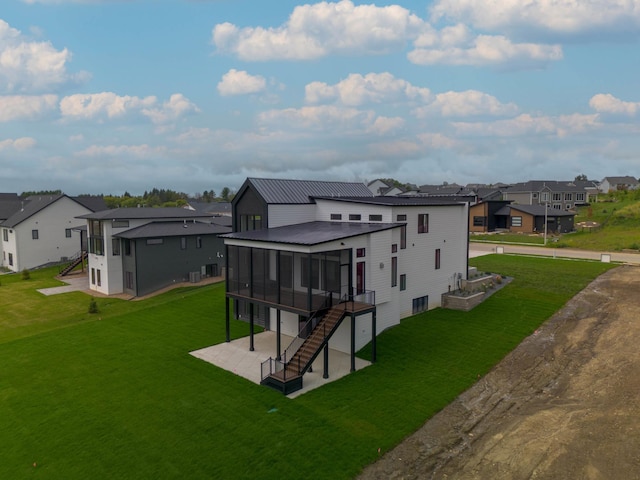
x=281, y=215
x=52, y=244
x=327, y=207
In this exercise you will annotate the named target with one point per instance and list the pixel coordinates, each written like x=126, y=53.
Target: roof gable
x=275, y=191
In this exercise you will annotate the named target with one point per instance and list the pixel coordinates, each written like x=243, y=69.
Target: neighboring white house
x=299, y=247
x=609, y=184
x=111, y=249
x=43, y=230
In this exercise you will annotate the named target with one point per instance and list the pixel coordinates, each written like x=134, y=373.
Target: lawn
x=507, y=238
x=116, y=395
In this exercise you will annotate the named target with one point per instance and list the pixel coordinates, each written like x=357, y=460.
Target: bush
x=25, y=274
x=93, y=307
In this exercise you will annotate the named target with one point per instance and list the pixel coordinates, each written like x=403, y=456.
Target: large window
x=423, y=223
x=315, y=272
x=420, y=304
x=557, y=197
x=479, y=221
x=96, y=239
x=394, y=271
x=579, y=197
x=250, y=222
x=516, y=221
x=568, y=197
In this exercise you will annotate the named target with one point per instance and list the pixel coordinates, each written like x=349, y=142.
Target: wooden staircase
x=289, y=378
x=75, y=261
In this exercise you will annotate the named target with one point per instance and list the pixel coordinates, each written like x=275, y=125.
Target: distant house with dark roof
x=332, y=265
x=483, y=218
x=531, y=219
x=42, y=229
x=609, y=184
x=140, y=250
x=557, y=194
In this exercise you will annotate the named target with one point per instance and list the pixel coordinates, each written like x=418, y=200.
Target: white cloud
x=462, y=49
x=557, y=16
x=465, y=104
x=16, y=107
x=28, y=66
x=239, y=82
x=386, y=125
x=357, y=90
x=177, y=106
x=527, y=124
x=23, y=143
x=607, y=103
x=314, y=31
x=138, y=151
x=323, y=117
x=111, y=106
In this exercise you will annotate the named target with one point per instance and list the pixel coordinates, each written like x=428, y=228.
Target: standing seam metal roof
x=275, y=191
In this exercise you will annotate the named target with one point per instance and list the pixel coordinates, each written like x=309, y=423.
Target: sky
x=114, y=96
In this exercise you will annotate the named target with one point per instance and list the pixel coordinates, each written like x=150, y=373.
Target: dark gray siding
x=161, y=265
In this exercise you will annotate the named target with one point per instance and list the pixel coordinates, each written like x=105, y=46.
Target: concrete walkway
x=235, y=357
x=75, y=283
x=476, y=249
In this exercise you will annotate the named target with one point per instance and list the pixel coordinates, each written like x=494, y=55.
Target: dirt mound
x=563, y=405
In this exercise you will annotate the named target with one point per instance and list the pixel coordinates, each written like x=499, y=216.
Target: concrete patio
x=235, y=357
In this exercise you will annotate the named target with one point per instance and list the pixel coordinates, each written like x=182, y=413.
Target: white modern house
x=44, y=230
x=139, y=250
x=609, y=184
x=333, y=265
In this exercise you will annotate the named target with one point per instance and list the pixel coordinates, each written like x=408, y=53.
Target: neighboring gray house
x=556, y=194
x=609, y=184
x=531, y=219
x=43, y=229
x=140, y=250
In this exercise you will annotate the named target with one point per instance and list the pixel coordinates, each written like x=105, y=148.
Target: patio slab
x=235, y=357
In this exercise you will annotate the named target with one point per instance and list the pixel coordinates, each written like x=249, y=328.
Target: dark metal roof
x=535, y=210
x=275, y=191
x=166, y=213
x=539, y=185
x=94, y=203
x=311, y=233
x=400, y=201
x=9, y=204
x=627, y=180
x=30, y=207
x=173, y=229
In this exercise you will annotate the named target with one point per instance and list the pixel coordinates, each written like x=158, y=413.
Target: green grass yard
x=116, y=395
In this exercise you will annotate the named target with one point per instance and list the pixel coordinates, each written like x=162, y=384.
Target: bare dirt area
x=565, y=404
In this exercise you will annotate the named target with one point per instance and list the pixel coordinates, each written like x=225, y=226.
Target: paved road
x=476, y=249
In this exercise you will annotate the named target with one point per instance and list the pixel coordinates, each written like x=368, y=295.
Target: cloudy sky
x=108, y=96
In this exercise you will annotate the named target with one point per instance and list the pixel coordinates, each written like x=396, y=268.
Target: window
x=479, y=221
x=250, y=222
x=115, y=246
x=579, y=197
x=127, y=246
x=183, y=243
x=336, y=216
x=423, y=223
x=67, y=232
x=360, y=252
x=394, y=271
x=557, y=197
x=5, y=234
x=544, y=196
x=93, y=276
x=128, y=280
x=375, y=218
x=401, y=218
x=403, y=282
x=98, y=277
x=120, y=223
x=403, y=237
x=420, y=304
x=535, y=194
x=96, y=239
x=155, y=241
x=394, y=248
x=355, y=216
x=516, y=221
x=34, y=234
x=557, y=206
x=315, y=272
x=568, y=197
x=437, y=259
x=198, y=242
x=10, y=258
x=568, y=206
